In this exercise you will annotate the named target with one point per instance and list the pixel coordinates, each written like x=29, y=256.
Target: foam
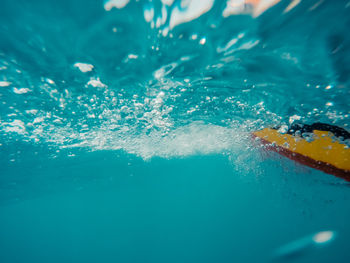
x=5, y=83
x=16, y=126
x=193, y=139
x=96, y=83
x=21, y=90
x=84, y=67
x=109, y=5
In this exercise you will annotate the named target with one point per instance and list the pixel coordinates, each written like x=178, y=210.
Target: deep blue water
x=125, y=130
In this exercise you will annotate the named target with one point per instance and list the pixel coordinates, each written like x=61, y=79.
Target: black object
x=337, y=131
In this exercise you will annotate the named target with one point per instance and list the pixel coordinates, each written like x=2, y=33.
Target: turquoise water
x=125, y=130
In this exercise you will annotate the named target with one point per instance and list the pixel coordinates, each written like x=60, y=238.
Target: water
x=125, y=131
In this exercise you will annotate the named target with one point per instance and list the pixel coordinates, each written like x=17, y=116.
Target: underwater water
x=125, y=130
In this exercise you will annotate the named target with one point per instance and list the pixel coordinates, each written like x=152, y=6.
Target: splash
x=169, y=78
x=193, y=139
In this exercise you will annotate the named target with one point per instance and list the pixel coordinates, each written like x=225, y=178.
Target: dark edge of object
x=337, y=131
x=324, y=167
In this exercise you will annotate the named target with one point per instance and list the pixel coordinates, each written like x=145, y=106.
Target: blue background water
x=148, y=157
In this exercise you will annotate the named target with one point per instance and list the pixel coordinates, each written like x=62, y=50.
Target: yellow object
x=321, y=149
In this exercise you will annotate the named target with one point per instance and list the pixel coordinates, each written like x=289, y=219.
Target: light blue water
x=125, y=131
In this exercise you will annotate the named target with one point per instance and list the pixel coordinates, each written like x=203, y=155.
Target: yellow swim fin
x=321, y=146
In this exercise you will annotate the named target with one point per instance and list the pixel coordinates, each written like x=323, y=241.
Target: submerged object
x=321, y=146
x=300, y=246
